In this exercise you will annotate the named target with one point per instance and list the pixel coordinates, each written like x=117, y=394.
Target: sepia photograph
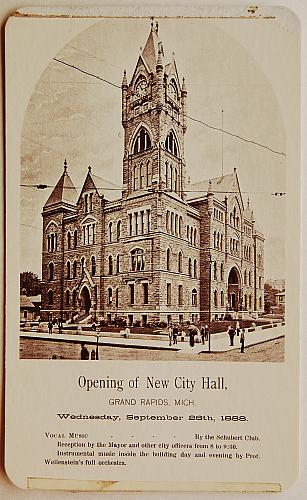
x=153, y=165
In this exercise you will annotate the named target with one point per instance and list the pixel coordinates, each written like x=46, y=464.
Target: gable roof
x=63, y=192
x=150, y=51
x=104, y=188
x=220, y=186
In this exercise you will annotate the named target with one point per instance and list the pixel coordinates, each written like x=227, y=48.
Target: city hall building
x=157, y=253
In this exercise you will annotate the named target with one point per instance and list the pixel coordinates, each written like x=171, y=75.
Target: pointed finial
x=152, y=24
x=235, y=170
x=183, y=84
x=157, y=27
x=159, y=60
x=124, y=82
x=173, y=54
x=248, y=202
x=209, y=187
x=89, y=169
x=65, y=166
x=253, y=218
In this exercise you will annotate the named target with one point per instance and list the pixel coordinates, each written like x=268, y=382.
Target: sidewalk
x=219, y=341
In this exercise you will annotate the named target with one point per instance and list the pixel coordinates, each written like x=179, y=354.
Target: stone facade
x=147, y=256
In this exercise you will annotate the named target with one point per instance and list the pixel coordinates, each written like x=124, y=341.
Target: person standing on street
x=84, y=352
x=231, y=333
x=175, y=334
x=202, y=334
x=50, y=326
x=242, y=339
x=170, y=334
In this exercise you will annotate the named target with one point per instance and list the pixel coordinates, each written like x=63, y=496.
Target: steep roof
x=220, y=186
x=64, y=191
x=104, y=188
x=25, y=302
x=150, y=51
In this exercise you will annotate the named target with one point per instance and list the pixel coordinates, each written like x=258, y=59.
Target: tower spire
x=65, y=166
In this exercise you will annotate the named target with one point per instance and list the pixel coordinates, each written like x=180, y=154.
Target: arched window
x=117, y=264
x=137, y=260
x=180, y=262
x=190, y=266
x=260, y=302
x=67, y=297
x=93, y=266
x=222, y=298
x=172, y=223
x=171, y=143
x=110, y=296
x=245, y=300
x=167, y=220
x=110, y=260
x=250, y=301
x=75, y=238
x=221, y=242
x=51, y=271
x=194, y=297
x=141, y=172
x=142, y=141
x=68, y=240
x=74, y=269
x=194, y=237
x=245, y=277
x=214, y=240
x=118, y=230
x=180, y=226
x=249, y=278
x=82, y=264
x=222, y=271
x=175, y=180
x=188, y=233
x=168, y=259
x=74, y=298
x=195, y=268
x=176, y=225
x=116, y=297
x=215, y=298
x=50, y=297
x=110, y=231
x=215, y=271
x=148, y=174
x=68, y=270
x=218, y=240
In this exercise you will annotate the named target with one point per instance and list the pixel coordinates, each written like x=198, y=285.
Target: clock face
x=141, y=88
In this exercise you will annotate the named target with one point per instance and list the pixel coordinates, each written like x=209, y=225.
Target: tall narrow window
x=194, y=297
x=110, y=261
x=51, y=271
x=68, y=270
x=86, y=203
x=167, y=220
x=215, y=271
x=91, y=202
x=110, y=231
x=215, y=298
x=118, y=230
x=68, y=240
x=168, y=259
x=171, y=144
x=142, y=141
x=195, y=268
x=75, y=238
x=93, y=265
x=74, y=298
x=130, y=224
x=82, y=264
x=180, y=262
x=180, y=295
x=141, y=176
x=75, y=269
x=137, y=260
x=145, y=293
x=148, y=174
x=110, y=296
x=50, y=297
x=190, y=266
x=222, y=271
x=168, y=294
x=67, y=297
x=131, y=293
x=222, y=298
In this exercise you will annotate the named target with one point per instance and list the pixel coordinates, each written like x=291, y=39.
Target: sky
x=74, y=116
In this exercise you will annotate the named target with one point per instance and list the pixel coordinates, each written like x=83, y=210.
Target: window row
x=234, y=246
x=141, y=176
x=52, y=242
x=192, y=264
x=247, y=230
x=89, y=233
x=139, y=222
x=137, y=262
x=234, y=218
x=192, y=235
x=169, y=296
x=218, y=240
x=247, y=252
x=114, y=231
x=113, y=298
x=88, y=202
x=142, y=141
x=172, y=177
x=72, y=239
x=218, y=214
x=249, y=276
x=174, y=224
x=71, y=269
x=215, y=271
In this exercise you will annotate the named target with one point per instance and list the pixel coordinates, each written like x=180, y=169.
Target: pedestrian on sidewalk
x=93, y=354
x=192, y=332
x=84, y=351
x=50, y=326
x=182, y=333
x=206, y=332
x=170, y=334
x=202, y=334
x=175, y=334
x=231, y=333
x=238, y=328
x=242, y=339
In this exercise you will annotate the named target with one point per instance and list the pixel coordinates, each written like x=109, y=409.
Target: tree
x=30, y=283
x=269, y=297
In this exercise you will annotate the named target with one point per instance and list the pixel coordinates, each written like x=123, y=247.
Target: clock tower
x=154, y=120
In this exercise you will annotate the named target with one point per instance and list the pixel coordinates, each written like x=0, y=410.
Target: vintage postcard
x=153, y=184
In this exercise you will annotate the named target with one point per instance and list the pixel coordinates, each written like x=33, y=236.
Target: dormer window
x=142, y=141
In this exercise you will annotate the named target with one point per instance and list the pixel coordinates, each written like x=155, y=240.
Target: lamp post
x=209, y=305
x=97, y=344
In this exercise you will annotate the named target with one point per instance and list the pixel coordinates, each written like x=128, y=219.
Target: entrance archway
x=234, y=289
x=85, y=300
